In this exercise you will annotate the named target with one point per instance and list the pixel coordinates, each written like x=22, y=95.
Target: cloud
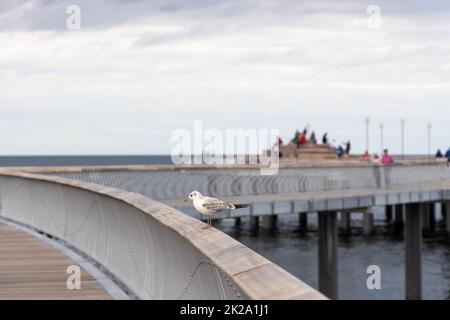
x=143, y=68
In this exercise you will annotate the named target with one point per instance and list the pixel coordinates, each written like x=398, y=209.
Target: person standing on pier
x=325, y=138
x=313, y=138
x=303, y=140
x=387, y=159
x=447, y=155
x=375, y=158
x=296, y=139
x=439, y=154
x=280, y=141
x=340, y=151
x=348, y=147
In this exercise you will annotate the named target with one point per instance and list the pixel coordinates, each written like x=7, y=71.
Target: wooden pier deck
x=32, y=269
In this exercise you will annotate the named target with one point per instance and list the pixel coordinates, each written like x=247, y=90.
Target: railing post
x=328, y=257
x=413, y=251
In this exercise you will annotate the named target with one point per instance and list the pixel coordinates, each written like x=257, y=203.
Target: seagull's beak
x=186, y=200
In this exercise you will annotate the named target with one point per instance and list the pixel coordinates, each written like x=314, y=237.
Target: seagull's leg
x=207, y=224
x=210, y=221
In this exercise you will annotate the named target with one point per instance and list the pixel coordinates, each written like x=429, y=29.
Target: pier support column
x=237, y=222
x=425, y=216
x=303, y=219
x=413, y=251
x=367, y=222
x=346, y=222
x=399, y=210
x=389, y=213
x=254, y=222
x=268, y=221
x=444, y=211
x=432, y=216
x=328, y=257
x=446, y=205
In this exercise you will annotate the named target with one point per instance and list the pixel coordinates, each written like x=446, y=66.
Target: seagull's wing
x=216, y=204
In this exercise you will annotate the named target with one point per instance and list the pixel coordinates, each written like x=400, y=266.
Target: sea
x=295, y=249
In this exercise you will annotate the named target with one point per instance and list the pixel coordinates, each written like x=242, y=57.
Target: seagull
x=208, y=206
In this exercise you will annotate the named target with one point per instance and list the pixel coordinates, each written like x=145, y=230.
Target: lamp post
x=367, y=121
x=429, y=126
x=402, y=123
x=382, y=137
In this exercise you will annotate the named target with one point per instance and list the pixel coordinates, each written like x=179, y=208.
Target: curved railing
x=154, y=250
x=175, y=182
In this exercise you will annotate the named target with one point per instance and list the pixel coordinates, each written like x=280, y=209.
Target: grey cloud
x=50, y=14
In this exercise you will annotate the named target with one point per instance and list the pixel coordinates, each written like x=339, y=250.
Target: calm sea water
x=93, y=160
x=296, y=250
x=48, y=161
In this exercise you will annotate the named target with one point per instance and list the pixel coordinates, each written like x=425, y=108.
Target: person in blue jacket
x=447, y=155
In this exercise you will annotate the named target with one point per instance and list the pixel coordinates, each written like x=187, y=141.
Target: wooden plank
x=33, y=269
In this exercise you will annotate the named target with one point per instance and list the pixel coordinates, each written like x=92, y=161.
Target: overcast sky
x=138, y=70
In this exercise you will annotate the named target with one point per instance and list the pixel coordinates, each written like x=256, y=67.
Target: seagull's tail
x=240, y=206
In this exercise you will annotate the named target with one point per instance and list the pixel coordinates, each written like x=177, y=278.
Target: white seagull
x=208, y=206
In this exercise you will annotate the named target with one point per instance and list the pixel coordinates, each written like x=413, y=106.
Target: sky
x=136, y=71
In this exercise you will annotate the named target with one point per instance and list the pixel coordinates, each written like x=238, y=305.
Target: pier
x=142, y=204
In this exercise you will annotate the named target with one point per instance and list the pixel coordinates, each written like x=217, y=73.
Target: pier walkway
x=30, y=268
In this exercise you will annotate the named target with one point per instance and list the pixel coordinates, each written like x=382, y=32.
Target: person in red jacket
x=280, y=141
x=303, y=139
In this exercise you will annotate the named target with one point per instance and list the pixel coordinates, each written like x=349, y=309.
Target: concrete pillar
x=444, y=211
x=303, y=219
x=389, y=213
x=254, y=222
x=268, y=221
x=328, y=257
x=398, y=223
x=346, y=222
x=425, y=216
x=413, y=251
x=367, y=223
x=447, y=216
x=432, y=216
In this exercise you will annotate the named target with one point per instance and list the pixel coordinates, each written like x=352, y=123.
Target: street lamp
x=402, y=122
x=429, y=126
x=382, y=137
x=367, y=121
